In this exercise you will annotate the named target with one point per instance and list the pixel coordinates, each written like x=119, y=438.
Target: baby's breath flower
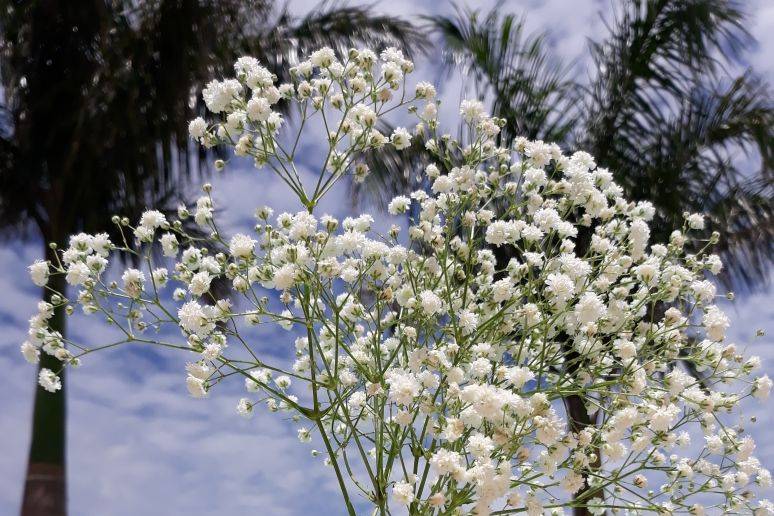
x=49, y=380
x=39, y=273
x=520, y=342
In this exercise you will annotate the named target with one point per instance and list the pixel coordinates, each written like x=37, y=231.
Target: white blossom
x=39, y=273
x=523, y=279
x=49, y=380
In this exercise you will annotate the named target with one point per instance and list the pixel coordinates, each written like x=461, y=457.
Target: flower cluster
x=522, y=347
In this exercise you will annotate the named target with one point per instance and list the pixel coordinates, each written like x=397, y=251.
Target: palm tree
x=95, y=115
x=659, y=111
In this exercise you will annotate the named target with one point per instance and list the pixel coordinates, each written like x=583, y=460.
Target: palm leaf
x=528, y=88
x=654, y=53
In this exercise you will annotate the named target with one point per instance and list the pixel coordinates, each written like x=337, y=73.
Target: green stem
x=335, y=463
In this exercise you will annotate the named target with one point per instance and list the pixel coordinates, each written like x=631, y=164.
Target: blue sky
x=139, y=445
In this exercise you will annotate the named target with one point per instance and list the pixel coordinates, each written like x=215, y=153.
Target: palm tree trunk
x=45, y=491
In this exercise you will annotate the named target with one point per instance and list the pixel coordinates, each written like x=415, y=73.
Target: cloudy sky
x=139, y=445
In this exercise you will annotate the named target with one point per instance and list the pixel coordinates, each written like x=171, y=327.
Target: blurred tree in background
x=97, y=98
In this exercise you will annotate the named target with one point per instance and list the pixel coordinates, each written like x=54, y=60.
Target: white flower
x=256, y=379
x=323, y=57
x=442, y=184
x=762, y=387
x=258, y=109
x=425, y=90
x=80, y=242
x=285, y=276
x=715, y=323
x=446, y=461
x=196, y=386
x=518, y=376
x=152, y=219
x=391, y=72
x=662, y=418
x=500, y=232
x=77, y=273
x=560, y=288
x=403, y=493
x=431, y=303
x=283, y=382
x=765, y=508
x=169, y=244
x=468, y=321
x=639, y=233
x=197, y=127
x=531, y=233
x=39, y=273
x=518, y=263
x=481, y=367
x=624, y=349
x=200, y=283
x=30, y=352
x=572, y=482
x=703, y=290
x=199, y=369
x=502, y=290
x=160, y=276
x=143, y=234
x=303, y=225
x=589, y=308
x=357, y=400
x=471, y=110
x=695, y=221
x=101, y=244
x=304, y=435
x=244, y=407
x=404, y=387
x=480, y=445
x=219, y=94
x=274, y=121
x=49, y=380
x=400, y=138
x=241, y=246
x=134, y=282
x=192, y=317
x=286, y=320
x=398, y=205
x=538, y=152
x=212, y=351
x=535, y=176
x=714, y=263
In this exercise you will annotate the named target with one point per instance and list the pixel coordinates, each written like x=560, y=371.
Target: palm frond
x=661, y=117
x=335, y=25
x=284, y=38
x=655, y=50
x=528, y=88
x=744, y=215
x=699, y=159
